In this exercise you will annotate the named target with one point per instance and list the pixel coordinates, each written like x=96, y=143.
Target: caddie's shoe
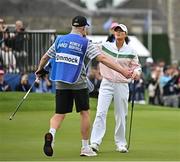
x=95, y=147
x=122, y=149
x=48, y=144
x=87, y=151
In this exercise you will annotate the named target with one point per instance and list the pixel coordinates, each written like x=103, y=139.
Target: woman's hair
x=127, y=40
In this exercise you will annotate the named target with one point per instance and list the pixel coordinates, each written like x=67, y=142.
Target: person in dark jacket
x=23, y=84
x=4, y=86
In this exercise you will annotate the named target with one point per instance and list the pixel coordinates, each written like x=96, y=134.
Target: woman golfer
x=115, y=86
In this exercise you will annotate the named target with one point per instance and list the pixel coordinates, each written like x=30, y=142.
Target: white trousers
x=120, y=93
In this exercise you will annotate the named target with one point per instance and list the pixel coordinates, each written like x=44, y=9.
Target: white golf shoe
x=87, y=151
x=95, y=147
x=122, y=149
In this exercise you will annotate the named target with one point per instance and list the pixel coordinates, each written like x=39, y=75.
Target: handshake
x=133, y=74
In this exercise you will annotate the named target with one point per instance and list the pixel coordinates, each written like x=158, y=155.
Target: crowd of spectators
x=22, y=84
x=12, y=42
x=159, y=84
x=163, y=85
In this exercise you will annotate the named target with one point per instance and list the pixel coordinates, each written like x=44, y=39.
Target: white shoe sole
x=122, y=151
x=84, y=154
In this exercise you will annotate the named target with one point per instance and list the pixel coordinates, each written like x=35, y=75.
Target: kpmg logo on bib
x=67, y=58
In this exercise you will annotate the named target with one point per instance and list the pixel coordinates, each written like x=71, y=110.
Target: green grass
x=155, y=133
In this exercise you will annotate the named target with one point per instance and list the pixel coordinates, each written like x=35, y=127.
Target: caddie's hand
x=40, y=73
x=37, y=73
x=136, y=75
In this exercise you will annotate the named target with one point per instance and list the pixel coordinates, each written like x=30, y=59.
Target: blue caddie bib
x=70, y=54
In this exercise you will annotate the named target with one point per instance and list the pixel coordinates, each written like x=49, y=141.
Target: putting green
x=155, y=132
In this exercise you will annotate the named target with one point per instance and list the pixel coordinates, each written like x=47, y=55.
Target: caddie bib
x=70, y=54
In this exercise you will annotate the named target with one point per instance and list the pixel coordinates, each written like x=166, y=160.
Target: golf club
x=22, y=100
x=132, y=109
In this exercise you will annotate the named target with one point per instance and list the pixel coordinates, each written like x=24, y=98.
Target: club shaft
x=18, y=106
x=132, y=110
x=130, y=127
x=22, y=100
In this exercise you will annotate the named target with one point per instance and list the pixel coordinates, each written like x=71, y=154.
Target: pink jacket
x=125, y=56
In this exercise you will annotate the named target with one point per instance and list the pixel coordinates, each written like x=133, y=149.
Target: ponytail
x=127, y=40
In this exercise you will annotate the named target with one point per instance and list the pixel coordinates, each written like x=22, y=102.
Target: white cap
x=149, y=60
x=123, y=27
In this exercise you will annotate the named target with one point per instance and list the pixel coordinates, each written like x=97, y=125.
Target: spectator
x=140, y=92
x=19, y=36
x=152, y=91
x=8, y=59
x=23, y=84
x=167, y=72
x=111, y=37
x=44, y=85
x=3, y=28
x=3, y=85
x=170, y=88
x=146, y=70
x=16, y=41
x=161, y=64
